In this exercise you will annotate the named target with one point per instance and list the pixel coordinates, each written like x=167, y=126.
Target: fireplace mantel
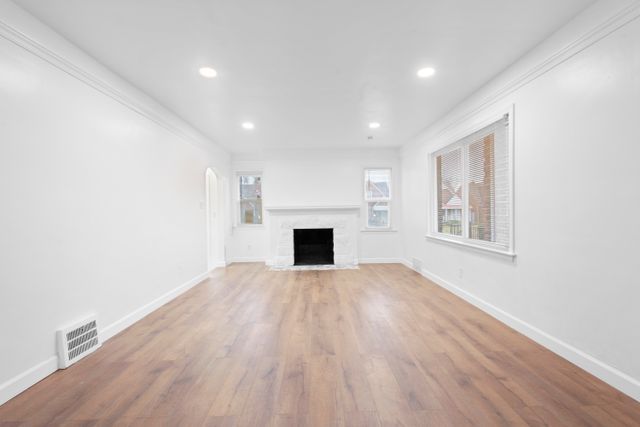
x=287, y=210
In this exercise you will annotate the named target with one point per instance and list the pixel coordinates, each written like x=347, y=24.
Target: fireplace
x=343, y=220
x=313, y=246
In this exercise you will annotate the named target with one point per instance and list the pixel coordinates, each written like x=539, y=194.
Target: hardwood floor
x=375, y=346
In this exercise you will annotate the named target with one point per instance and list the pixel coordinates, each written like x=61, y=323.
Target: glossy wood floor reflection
x=375, y=346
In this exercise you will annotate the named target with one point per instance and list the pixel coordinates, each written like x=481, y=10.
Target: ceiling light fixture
x=248, y=125
x=208, y=72
x=426, y=72
x=374, y=125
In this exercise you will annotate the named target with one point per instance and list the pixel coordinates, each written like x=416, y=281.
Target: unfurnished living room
x=319, y=213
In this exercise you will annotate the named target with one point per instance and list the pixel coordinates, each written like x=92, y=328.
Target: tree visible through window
x=473, y=194
x=250, y=192
x=377, y=194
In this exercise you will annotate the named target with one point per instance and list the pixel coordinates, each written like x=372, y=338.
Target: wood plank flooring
x=370, y=347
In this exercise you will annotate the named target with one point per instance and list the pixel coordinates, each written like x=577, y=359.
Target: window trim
x=236, y=216
x=451, y=142
x=367, y=200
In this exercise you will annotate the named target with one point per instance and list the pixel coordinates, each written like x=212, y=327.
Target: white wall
x=574, y=284
x=101, y=192
x=317, y=178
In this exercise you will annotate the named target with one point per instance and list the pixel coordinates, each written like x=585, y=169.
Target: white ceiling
x=308, y=73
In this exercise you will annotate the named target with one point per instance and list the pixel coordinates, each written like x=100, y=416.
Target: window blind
x=449, y=190
x=473, y=186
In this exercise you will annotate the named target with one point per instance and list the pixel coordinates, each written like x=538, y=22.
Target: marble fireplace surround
x=284, y=219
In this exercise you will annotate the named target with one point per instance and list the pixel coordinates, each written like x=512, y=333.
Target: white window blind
x=473, y=194
x=449, y=173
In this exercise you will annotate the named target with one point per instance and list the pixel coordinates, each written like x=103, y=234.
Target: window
x=473, y=202
x=250, y=198
x=377, y=195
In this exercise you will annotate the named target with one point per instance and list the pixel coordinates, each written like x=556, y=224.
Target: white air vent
x=416, y=264
x=77, y=341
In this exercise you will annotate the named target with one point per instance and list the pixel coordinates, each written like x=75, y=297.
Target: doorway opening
x=215, y=234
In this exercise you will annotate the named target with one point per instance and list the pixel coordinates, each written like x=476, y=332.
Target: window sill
x=378, y=230
x=479, y=248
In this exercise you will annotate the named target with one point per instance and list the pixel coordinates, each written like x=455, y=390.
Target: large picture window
x=473, y=194
x=250, y=198
x=377, y=195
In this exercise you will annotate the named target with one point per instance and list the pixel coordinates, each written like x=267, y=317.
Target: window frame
x=367, y=199
x=238, y=201
x=455, y=140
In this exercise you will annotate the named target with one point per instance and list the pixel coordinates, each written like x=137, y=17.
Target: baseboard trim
x=16, y=385
x=248, y=259
x=218, y=264
x=131, y=318
x=612, y=376
x=380, y=261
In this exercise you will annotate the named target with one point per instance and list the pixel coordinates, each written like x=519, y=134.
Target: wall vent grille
x=77, y=341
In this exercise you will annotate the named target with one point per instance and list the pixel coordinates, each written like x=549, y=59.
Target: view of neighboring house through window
x=449, y=175
x=377, y=194
x=473, y=195
x=250, y=192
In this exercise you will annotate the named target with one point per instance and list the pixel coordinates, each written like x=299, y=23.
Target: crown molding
x=602, y=29
x=156, y=113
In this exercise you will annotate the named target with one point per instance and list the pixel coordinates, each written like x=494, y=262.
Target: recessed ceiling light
x=248, y=125
x=374, y=125
x=208, y=72
x=426, y=72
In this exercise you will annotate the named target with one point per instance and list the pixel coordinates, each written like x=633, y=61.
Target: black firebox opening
x=313, y=246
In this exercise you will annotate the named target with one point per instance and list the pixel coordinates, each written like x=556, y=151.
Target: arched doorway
x=215, y=233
